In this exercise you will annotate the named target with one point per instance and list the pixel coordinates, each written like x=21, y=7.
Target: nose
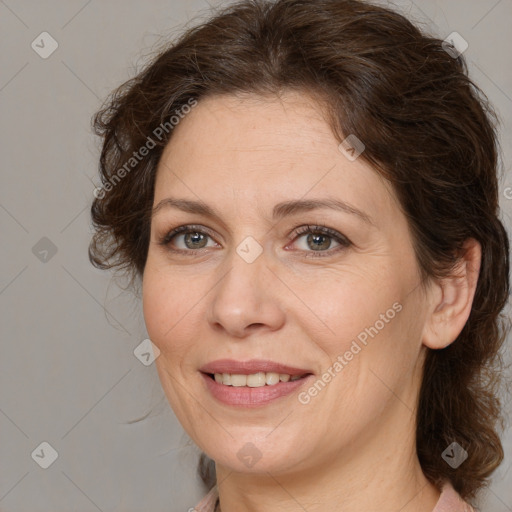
x=245, y=299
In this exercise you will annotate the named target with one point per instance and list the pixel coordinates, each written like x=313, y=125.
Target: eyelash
x=303, y=230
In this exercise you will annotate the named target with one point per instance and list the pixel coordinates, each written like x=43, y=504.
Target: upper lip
x=249, y=367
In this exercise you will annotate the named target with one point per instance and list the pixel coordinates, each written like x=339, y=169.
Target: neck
x=375, y=473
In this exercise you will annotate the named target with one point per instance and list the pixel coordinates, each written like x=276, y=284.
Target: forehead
x=253, y=124
x=259, y=148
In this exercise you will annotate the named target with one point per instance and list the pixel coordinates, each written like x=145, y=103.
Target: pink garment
x=449, y=501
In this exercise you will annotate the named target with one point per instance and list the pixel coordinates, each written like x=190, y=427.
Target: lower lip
x=245, y=396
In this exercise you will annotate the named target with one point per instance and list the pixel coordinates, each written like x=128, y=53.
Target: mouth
x=251, y=367
x=252, y=383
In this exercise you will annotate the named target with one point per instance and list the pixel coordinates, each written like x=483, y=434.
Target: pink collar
x=449, y=501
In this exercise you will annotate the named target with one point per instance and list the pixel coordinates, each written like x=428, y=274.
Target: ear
x=451, y=298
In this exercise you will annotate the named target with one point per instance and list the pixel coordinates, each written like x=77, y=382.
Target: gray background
x=68, y=375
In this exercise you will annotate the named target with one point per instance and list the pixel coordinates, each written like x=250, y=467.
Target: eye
x=317, y=243
x=186, y=238
x=319, y=240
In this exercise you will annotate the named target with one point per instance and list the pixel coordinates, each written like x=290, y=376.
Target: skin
x=352, y=447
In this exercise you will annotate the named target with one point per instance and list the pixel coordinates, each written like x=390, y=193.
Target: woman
x=307, y=192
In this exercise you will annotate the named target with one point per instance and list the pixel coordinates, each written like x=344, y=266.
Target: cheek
x=167, y=315
x=362, y=329
x=345, y=304
x=153, y=305
x=164, y=307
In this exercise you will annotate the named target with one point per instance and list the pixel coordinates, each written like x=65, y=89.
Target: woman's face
x=252, y=283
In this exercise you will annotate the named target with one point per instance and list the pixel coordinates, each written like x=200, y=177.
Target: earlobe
x=451, y=299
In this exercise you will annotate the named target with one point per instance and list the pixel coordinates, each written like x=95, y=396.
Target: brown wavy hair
x=427, y=128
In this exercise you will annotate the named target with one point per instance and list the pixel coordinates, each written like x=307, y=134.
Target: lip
x=247, y=397
x=251, y=366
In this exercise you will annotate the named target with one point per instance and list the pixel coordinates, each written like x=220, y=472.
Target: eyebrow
x=280, y=210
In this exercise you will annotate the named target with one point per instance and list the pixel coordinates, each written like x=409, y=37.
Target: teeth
x=255, y=380
x=237, y=380
x=271, y=378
